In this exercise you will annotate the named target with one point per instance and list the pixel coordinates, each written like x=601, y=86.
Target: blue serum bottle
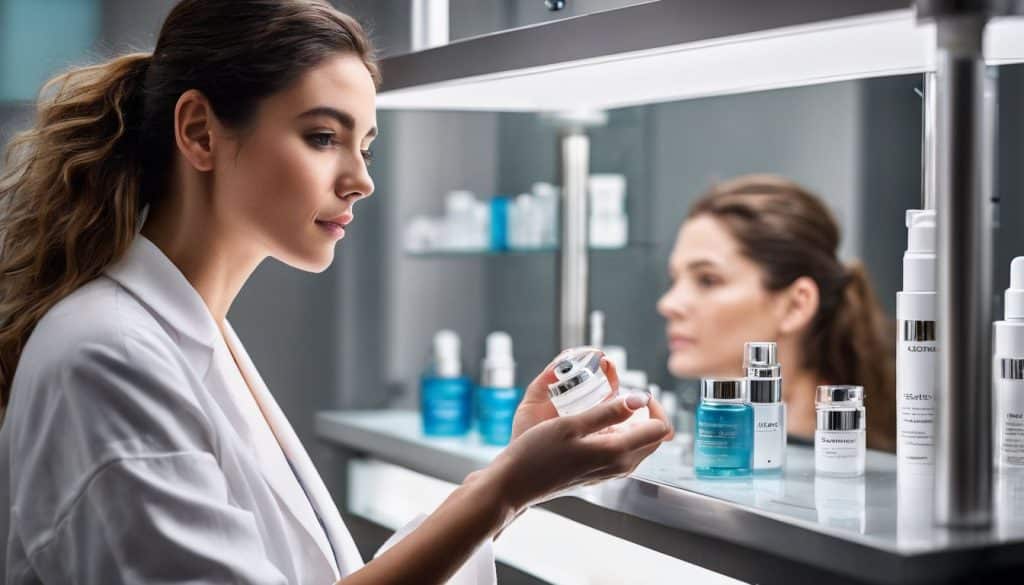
x=724, y=445
x=497, y=397
x=446, y=396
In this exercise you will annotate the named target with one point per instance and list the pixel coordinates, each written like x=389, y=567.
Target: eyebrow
x=343, y=118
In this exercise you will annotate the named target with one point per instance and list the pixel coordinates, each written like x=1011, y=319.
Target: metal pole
x=574, y=261
x=963, y=496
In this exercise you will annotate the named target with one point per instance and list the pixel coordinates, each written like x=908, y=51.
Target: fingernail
x=637, y=400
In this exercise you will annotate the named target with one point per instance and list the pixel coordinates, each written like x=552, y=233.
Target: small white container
x=840, y=441
x=581, y=383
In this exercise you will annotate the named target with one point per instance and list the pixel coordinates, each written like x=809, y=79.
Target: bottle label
x=839, y=452
x=1010, y=422
x=769, y=436
x=916, y=383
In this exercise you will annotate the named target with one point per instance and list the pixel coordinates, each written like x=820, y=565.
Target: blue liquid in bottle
x=724, y=445
x=447, y=405
x=496, y=408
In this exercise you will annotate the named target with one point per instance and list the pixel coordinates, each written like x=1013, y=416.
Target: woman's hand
x=549, y=453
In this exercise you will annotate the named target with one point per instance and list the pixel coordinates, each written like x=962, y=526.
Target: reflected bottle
x=725, y=429
x=446, y=396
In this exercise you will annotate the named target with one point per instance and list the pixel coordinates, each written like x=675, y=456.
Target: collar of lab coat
x=152, y=278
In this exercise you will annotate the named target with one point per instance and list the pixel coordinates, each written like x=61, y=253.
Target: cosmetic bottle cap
x=760, y=354
x=830, y=419
x=576, y=370
x=840, y=396
x=499, y=368
x=1014, y=300
x=447, y=362
x=723, y=389
x=919, y=259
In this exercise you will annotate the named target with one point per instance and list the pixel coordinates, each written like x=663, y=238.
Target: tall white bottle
x=1008, y=373
x=916, y=348
x=764, y=382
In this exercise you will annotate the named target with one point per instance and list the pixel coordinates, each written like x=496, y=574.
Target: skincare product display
x=764, y=383
x=1008, y=373
x=917, y=358
x=497, y=397
x=840, y=439
x=533, y=219
x=581, y=382
x=465, y=227
x=445, y=394
x=608, y=223
x=724, y=445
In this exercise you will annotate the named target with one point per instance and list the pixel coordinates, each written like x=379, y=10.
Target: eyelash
x=313, y=140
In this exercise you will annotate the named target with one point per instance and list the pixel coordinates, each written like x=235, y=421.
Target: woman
x=755, y=260
x=139, y=443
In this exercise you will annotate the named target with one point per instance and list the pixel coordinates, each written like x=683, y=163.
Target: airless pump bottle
x=1008, y=373
x=917, y=351
x=764, y=381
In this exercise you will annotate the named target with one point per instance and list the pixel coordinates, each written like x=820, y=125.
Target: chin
x=315, y=261
x=684, y=366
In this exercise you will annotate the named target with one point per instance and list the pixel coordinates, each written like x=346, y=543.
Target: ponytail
x=857, y=347
x=69, y=199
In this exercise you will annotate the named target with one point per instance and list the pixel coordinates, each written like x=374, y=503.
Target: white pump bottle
x=1008, y=373
x=916, y=348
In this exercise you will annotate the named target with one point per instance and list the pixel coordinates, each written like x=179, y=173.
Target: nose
x=672, y=304
x=355, y=185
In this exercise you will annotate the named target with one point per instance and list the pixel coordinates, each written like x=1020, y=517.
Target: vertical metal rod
x=963, y=496
x=429, y=24
x=574, y=262
x=928, y=142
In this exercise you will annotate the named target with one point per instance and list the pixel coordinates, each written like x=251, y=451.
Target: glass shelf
x=876, y=528
x=632, y=246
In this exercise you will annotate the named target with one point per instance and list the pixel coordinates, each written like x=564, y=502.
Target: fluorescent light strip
x=889, y=43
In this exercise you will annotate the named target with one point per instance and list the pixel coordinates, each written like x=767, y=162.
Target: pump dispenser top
x=499, y=368
x=919, y=259
x=447, y=361
x=1014, y=300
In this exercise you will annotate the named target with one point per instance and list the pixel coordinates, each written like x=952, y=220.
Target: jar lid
x=731, y=389
x=840, y=396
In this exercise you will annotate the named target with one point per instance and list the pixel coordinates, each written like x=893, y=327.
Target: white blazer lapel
x=345, y=551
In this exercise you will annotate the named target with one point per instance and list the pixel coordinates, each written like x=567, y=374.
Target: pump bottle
x=445, y=394
x=1008, y=373
x=497, y=397
x=916, y=348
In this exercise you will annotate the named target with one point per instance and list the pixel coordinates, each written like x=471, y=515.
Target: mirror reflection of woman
x=755, y=260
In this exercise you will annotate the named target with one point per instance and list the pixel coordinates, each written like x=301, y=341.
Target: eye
x=367, y=156
x=708, y=280
x=321, y=140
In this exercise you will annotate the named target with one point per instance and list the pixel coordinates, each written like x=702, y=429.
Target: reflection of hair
x=103, y=141
x=790, y=233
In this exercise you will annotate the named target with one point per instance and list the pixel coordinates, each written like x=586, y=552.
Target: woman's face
x=716, y=302
x=299, y=169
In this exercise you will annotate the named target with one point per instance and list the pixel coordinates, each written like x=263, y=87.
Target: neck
x=798, y=389
x=191, y=235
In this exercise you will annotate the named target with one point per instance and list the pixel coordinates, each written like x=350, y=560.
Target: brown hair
x=102, y=145
x=790, y=233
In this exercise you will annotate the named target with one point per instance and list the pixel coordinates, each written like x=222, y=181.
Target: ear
x=194, y=125
x=798, y=303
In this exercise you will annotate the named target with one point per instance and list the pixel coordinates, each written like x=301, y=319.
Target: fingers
x=610, y=372
x=657, y=412
x=638, y=435
x=608, y=413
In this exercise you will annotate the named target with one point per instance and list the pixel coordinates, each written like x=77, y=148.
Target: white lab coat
x=130, y=454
